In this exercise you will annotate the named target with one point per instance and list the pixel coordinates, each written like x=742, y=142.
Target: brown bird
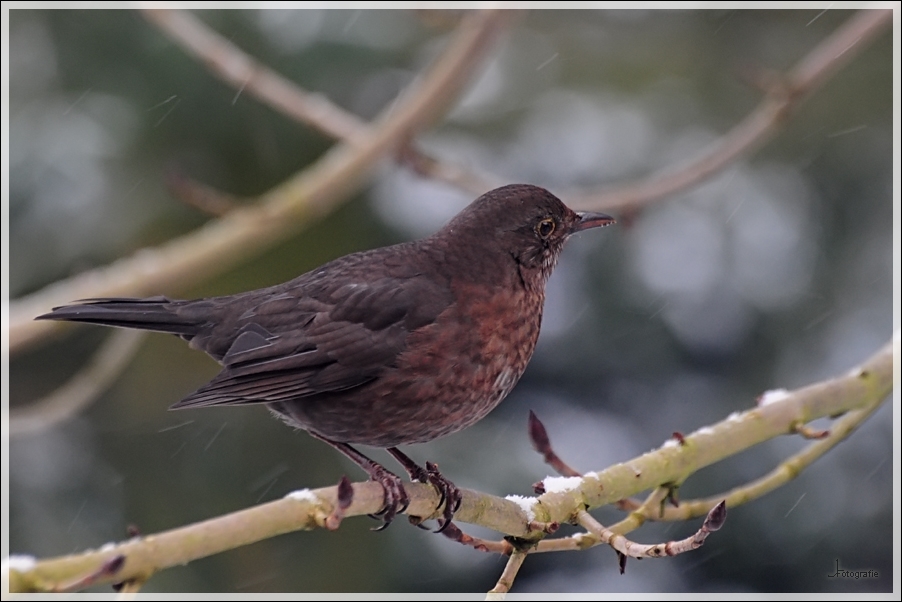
x=397, y=345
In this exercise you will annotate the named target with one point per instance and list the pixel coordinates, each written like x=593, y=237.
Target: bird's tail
x=153, y=313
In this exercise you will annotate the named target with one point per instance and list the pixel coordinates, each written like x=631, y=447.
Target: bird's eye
x=545, y=227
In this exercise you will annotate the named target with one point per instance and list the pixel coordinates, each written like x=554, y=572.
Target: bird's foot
x=449, y=494
x=395, y=498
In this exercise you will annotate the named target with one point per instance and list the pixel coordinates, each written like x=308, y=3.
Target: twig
x=453, y=532
x=652, y=507
x=782, y=474
x=236, y=68
x=129, y=590
x=466, y=179
x=787, y=470
x=80, y=390
x=630, y=549
x=307, y=195
x=810, y=433
x=104, y=572
x=343, y=498
x=784, y=94
x=758, y=127
x=538, y=436
x=872, y=380
x=200, y=196
x=865, y=387
x=506, y=580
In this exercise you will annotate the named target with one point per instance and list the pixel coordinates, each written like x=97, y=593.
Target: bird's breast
x=456, y=370
x=451, y=373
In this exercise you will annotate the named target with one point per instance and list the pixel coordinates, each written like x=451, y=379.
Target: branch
x=242, y=72
x=284, y=209
x=868, y=384
x=82, y=389
x=785, y=93
x=281, y=211
x=653, y=508
x=630, y=549
x=506, y=580
x=782, y=474
x=865, y=386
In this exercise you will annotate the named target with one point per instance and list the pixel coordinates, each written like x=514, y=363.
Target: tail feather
x=153, y=313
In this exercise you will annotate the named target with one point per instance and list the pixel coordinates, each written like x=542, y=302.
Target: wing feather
x=313, y=338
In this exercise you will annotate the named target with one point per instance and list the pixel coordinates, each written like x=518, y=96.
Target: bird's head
x=525, y=221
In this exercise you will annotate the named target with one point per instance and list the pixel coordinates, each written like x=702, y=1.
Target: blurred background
x=776, y=273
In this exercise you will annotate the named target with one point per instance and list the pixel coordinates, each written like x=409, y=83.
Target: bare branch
x=506, y=580
x=103, y=573
x=216, y=246
x=758, y=127
x=672, y=463
x=236, y=68
x=454, y=533
x=198, y=195
x=631, y=549
x=653, y=508
x=863, y=388
x=784, y=94
x=129, y=589
x=782, y=474
x=281, y=211
x=538, y=436
x=81, y=390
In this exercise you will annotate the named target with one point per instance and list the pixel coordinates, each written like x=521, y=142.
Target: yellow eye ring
x=545, y=227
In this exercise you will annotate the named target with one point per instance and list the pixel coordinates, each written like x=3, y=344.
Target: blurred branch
x=784, y=94
x=242, y=72
x=202, y=197
x=284, y=209
x=281, y=211
x=129, y=590
x=861, y=389
x=82, y=389
x=238, y=69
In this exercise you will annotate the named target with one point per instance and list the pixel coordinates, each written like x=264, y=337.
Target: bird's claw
x=395, y=498
x=449, y=494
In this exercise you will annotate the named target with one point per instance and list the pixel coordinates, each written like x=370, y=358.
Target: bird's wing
x=310, y=338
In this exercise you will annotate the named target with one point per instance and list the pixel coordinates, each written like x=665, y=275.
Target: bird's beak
x=588, y=220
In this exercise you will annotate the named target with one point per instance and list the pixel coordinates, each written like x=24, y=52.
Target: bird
x=391, y=346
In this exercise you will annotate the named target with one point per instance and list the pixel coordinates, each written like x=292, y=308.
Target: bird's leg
x=396, y=498
x=448, y=491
